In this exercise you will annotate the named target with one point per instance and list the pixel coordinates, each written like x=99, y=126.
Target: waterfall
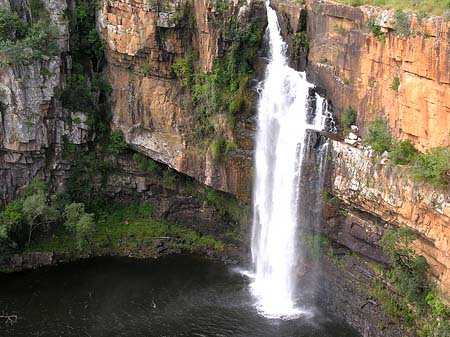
x=283, y=116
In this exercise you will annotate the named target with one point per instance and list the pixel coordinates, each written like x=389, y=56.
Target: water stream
x=283, y=121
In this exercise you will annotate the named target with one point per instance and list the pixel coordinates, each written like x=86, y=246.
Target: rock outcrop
x=390, y=197
x=33, y=123
x=359, y=69
x=143, y=42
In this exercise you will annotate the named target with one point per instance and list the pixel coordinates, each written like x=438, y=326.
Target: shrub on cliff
x=402, y=23
x=378, y=136
x=221, y=148
x=348, y=117
x=22, y=41
x=432, y=166
x=408, y=269
x=11, y=26
x=39, y=43
x=117, y=143
x=403, y=153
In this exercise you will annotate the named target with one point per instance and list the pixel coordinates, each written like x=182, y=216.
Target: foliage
x=11, y=26
x=40, y=42
x=225, y=88
x=340, y=30
x=32, y=38
x=415, y=302
x=79, y=223
x=432, y=165
x=227, y=206
x=82, y=94
x=402, y=23
x=87, y=178
x=184, y=70
x=378, y=136
x=37, y=212
x=86, y=90
x=300, y=44
x=169, y=177
x=117, y=143
x=128, y=230
x=23, y=216
x=403, y=153
x=348, y=117
x=87, y=47
x=78, y=95
x=11, y=220
x=395, y=83
x=147, y=164
x=408, y=269
x=431, y=7
x=221, y=148
x=376, y=30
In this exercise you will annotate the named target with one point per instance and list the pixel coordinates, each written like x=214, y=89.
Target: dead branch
x=9, y=319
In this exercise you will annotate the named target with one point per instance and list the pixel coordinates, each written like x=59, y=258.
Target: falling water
x=282, y=129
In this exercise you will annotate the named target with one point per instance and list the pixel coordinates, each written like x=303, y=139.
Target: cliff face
x=33, y=123
x=389, y=194
x=148, y=104
x=358, y=69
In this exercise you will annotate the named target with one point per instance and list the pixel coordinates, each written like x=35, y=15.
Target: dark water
x=172, y=296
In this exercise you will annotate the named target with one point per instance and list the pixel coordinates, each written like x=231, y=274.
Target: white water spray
x=282, y=125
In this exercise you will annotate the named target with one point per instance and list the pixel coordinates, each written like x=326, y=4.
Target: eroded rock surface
x=391, y=196
x=358, y=69
x=33, y=124
x=143, y=42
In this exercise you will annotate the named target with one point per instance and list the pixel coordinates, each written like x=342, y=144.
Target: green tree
x=11, y=26
x=378, y=136
x=117, y=143
x=37, y=212
x=403, y=153
x=11, y=220
x=79, y=223
x=408, y=269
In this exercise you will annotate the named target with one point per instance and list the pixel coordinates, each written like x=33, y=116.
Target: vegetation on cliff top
x=430, y=7
x=432, y=167
x=31, y=38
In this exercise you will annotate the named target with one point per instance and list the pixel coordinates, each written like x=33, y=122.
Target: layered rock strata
x=143, y=42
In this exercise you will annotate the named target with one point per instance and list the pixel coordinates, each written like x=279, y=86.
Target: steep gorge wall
x=34, y=125
x=148, y=104
x=355, y=68
x=383, y=196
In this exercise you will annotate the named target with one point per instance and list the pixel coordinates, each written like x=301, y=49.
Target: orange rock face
x=390, y=194
x=358, y=69
x=143, y=42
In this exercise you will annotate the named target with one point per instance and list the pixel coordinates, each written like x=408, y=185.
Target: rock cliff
x=392, y=198
x=33, y=123
x=148, y=104
x=358, y=69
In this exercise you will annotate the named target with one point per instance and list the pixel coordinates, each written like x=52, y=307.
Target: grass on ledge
x=141, y=237
x=429, y=7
